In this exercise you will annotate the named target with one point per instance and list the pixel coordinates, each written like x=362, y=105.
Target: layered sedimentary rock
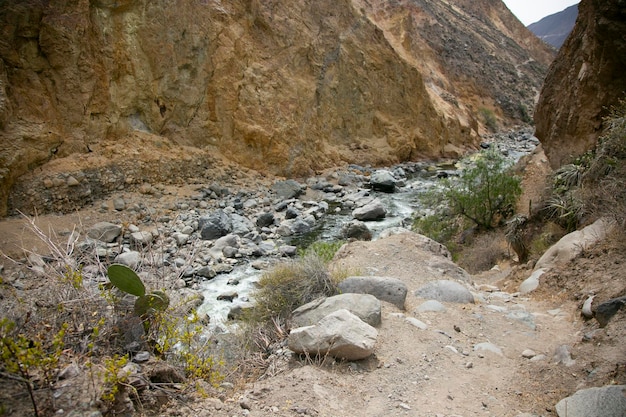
x=587, y=77
x=287, y=87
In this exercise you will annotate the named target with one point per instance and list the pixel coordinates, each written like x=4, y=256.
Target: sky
x=531, y=11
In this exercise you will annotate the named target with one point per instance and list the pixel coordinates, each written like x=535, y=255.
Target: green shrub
x=438, y=227
x=489, y=118
x=324, y=250
x=289, y=285
x=484, y=193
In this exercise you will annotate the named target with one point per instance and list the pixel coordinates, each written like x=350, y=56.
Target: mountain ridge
x=555, y=28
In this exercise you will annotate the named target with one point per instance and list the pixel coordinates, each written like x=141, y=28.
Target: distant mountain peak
x=554, y=29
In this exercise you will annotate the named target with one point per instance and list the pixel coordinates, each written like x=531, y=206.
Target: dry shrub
x=485, y=252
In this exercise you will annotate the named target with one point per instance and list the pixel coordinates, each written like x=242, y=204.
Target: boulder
x=104, y=232
x=341, y=335
x=215, y=225
x=373, y=210
x=383, y=180
x=364, y=306
x=572, y=244
x=265, y=219
x=445, y=291
x=356, y=229
x=387, y=289
x=288, y=189
x=608, y=401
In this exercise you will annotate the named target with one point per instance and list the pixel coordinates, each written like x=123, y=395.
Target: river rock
x=265, y=219
x=131, y=259
x=445, y=291
x=356, y=229
x=340, y=334
x=215, y=225
x=104, y=232
x=373, y=210
x=383, y=180
x=387, y=289
x=288, y=189
x=364, y=306
x=608, y=401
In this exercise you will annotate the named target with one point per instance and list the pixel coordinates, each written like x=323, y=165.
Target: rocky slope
x=586, y=78
x=285, y=87
x=554, y=29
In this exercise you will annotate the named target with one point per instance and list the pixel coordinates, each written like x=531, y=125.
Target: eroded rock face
x=286, y=87
x=586, y=78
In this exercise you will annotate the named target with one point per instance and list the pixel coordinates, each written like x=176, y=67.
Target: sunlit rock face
x=286, y=87
x=586, y=78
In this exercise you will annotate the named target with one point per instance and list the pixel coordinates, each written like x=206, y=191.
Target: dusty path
x=421, y=372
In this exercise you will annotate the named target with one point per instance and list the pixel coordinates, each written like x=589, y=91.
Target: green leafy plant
x=181, y=339
x=484, y=193
x=23, y=357
x=126, y=280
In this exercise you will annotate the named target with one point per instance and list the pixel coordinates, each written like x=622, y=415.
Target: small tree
x=486, y=192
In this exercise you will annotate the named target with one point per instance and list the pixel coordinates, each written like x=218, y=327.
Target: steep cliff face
x=586, y=78
x=282, y=86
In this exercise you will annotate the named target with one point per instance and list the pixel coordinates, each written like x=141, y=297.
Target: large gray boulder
x=356, y=229
x=566, y=249
x=383, y=180
x=341, y=335
x=445, y=291
x=387, y=289
x=364, y=306
x=572, y=244
x=608, y=401
x=215, y=225
x=288, y=189
x=373, y=210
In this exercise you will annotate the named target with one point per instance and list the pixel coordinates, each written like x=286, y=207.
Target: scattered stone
x=265, y=219
x=341, y=335
x=489, y=347
x=288, y=189
x=387, y=289
x=417, y=323
x=356, y=229
x=364, y=306
x=431, y=306
x=104, y=232
x=143, y=356
x=445, y=291
x=586, y=312
x=215, y=225
x=608, y=401
x=373, y=210
x=142, y=238
x=119, y=204
x=563, y=356
x=131, y=259
x=528, y=354
x=527, y=318
x=608, y=309
x=383, y=180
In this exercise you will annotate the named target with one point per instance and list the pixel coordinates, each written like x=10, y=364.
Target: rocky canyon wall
x=287, y=87
x=587, y=77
